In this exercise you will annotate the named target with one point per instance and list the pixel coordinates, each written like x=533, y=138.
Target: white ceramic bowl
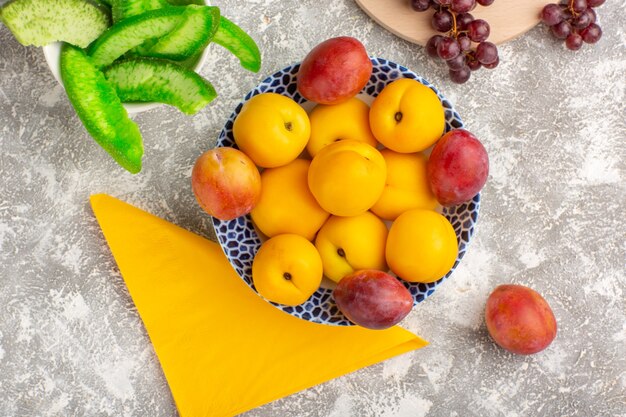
x=52, y=53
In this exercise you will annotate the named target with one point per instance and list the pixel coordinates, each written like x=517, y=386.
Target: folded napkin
x=223, y=349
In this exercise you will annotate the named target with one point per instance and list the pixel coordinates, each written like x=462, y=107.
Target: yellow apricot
x=421, y=246
x=407, y=116
x=347, y=177
x=407, y=185
x=286, y=205
x=271, y=129
x=332, y=123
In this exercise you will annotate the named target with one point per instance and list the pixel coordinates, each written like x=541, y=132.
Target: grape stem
x=454, y=32
x=570, y=6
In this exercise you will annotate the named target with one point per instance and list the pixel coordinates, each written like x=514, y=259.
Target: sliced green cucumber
x=102, y=3
x=191, y=62
x=104, y=7
x=186, y=2
x=157, y=80
x=100, y=109
x=40, y=22
x=129, y=33
x=239, y=43
x=142, y=50
x=123, y=9
x=192, y=34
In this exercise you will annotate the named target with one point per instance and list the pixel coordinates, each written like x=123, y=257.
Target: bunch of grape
x=574, y=21
x=464, y=44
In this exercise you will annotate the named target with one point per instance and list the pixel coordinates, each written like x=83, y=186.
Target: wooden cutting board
x=507, y=18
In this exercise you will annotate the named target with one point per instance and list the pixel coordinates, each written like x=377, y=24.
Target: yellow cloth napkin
x=223, y=349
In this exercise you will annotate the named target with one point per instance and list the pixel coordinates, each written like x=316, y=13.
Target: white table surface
x=552, y=217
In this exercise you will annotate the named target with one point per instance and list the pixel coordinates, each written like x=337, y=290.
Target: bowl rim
x=52, y=55
x=242, y=229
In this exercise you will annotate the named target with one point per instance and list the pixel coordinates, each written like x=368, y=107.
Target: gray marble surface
x=553, y=122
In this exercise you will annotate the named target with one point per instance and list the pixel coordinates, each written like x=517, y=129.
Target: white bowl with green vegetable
x=52, y=52
x=126, y=56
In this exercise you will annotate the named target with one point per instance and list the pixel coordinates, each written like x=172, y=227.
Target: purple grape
x=463, y=6
x=493, y=64
x=445, y=2
x=582, y=21
x=574, y=41
x=592, y=33
x=420, y=5
x=448, y=48
x=591, y=14
x=464, y=42
x=486, y=53
x=460, y=76
x=552, y=14
x=442, y=21
x=478, y=30
x=457, y=62
x=579, y=6
x=595, y=3
x=431, y=46
x=561, y=30
x=485, y=2
x=462, y=20
x=473, y=64
x=567, y=14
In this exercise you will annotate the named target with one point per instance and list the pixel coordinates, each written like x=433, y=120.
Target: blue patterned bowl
x=241, y=242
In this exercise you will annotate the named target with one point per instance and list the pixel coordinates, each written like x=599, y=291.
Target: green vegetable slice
x=103, y=4
x=105, y=8
x=193, y=34
x=131, y=32
x=123, y=9
x=40, y=22
x=100, y=109
x=239, y=43
x=191, y=62
x=150, y=79
x=186, y=2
